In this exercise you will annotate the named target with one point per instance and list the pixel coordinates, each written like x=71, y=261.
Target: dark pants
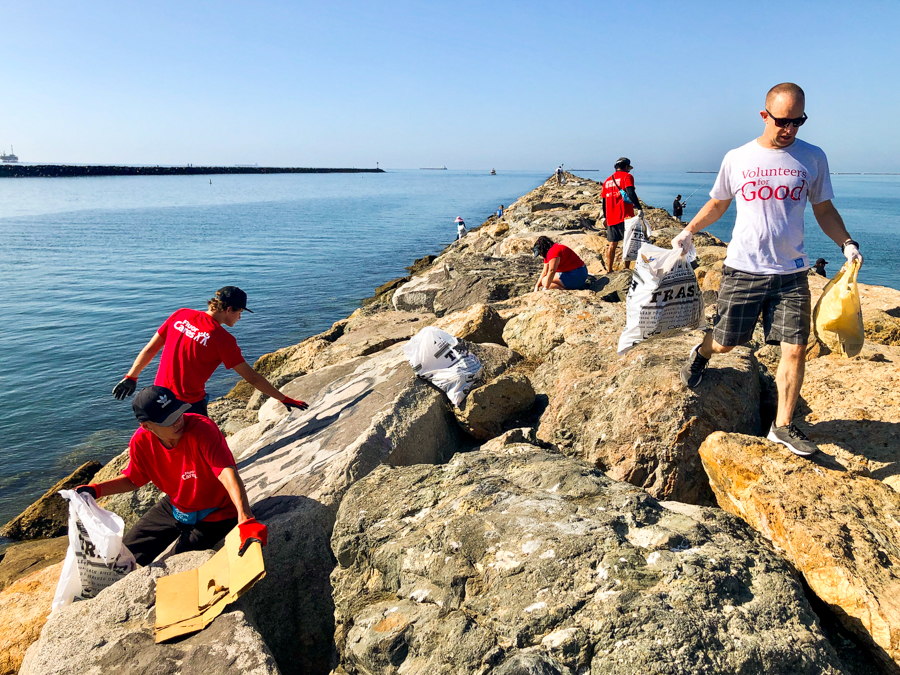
x=153, y=533
x=200, y=406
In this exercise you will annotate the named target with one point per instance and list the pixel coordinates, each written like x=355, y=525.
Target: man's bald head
x=785, y=88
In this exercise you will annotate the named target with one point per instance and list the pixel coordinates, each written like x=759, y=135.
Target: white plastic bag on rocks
x=440, y=358
x=637, y=233
x=96, y=558
x=664, y=296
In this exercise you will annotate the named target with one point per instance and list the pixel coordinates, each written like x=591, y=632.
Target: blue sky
x=511, y=85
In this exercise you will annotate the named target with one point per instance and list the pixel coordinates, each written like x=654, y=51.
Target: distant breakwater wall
x=74, y=171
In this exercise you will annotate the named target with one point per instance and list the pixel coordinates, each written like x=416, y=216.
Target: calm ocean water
x=92, y=266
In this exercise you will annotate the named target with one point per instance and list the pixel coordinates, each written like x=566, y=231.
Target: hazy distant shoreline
x=76, y=170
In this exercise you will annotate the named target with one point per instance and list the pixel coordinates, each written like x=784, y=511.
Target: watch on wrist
x=849, y=241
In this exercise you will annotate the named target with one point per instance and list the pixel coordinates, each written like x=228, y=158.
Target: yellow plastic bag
x=837, y=318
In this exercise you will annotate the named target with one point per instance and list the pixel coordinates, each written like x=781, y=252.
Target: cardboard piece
x=189, y=601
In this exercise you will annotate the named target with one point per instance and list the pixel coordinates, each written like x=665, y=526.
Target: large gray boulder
x=114, y=633
x=362, y=413
x=459, y=280
x=524, y=562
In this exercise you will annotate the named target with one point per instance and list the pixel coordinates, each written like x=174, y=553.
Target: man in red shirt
x=614, y=207
x=563, y=269
x=193, y=345
x=186, y=457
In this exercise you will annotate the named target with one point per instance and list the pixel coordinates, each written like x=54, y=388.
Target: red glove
x=294, y=403
x=252, y=530
x=92, y=489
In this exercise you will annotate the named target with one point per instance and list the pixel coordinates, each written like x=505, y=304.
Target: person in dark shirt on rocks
x=820, y=267
x=615, y=209
x=678, y=208
x=193, y=344
x=187, y=458
x=562, y=261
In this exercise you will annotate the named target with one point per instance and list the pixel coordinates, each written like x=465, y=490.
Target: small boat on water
x=493, y=173
x=10, y=158
x=433, y=168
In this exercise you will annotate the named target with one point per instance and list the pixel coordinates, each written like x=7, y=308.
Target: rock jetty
x=580, y=513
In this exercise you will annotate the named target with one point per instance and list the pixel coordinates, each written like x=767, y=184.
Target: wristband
x=129, y=377
x=849, y=241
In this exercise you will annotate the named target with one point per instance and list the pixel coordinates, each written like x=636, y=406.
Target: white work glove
x=602, y=221
x=852, y=253
x=683, y=241
x=639, y=213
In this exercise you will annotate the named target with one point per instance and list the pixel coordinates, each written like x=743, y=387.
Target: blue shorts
x=574, y=279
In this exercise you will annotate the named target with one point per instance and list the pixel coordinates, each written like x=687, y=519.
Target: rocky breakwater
x=560, y=521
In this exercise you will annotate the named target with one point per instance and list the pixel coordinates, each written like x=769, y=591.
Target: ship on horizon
x=433, y=168
x=11, y=158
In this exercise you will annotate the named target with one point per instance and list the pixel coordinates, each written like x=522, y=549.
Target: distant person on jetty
x=560, y=176
x=772, y=178
x=678, y=208
x=614, y=207
x=193, y=345
x=460, y=228
x=820, y=267
x=186, y=457
x=500, y=211
x=559, y=261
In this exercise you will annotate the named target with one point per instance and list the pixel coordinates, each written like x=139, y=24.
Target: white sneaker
x=795, y=440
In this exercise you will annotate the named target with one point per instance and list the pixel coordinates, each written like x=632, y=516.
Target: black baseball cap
x=158, y=405
x=624, y=163
x=234, y=297
x=822, y=261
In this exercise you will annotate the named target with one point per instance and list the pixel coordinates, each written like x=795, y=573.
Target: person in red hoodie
x=193, y=345
x=615, y=208
x=187, y=458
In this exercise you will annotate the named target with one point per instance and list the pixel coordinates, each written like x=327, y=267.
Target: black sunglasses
x=782, y=122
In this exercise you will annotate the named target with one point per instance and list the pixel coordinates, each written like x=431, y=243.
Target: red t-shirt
x=195, y=345
x=568, y=259
x=189, y=472
x=616, y=208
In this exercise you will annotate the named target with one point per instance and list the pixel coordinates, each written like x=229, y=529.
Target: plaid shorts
x=783, y=300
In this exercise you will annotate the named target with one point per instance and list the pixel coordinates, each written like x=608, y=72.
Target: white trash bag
x=96, y=557
x=664, y=296
x=438, y=357
x=637, y=233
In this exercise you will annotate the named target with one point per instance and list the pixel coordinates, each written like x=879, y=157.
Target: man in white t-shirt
x=765, y=269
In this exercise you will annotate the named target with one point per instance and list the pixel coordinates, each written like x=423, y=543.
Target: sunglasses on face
x=782, y=122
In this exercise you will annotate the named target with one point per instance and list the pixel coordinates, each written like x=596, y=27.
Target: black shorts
x=782, y=299
x=615, y=232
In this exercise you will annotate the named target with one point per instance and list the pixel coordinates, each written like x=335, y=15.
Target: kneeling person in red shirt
x=186, y=457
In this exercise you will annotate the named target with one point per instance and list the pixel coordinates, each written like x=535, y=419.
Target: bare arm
x=116, y=486
x=146, y=355
x=830, y=221
x=234, y=486
x=710, y=213
x=540, y=280
x=246, y=371
x=551, y=272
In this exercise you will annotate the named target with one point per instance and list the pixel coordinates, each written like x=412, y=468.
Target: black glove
x=290, y=403
x=124, y=389
x=89, y=489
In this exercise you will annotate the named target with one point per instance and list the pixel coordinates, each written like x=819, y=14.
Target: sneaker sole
x=800, y=453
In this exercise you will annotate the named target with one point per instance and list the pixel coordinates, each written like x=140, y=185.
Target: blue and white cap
x=158, y=405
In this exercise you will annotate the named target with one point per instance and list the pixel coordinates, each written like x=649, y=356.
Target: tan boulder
x=487, y=407
x=852, y=409
x=479, y=323
x=633, y=418
x=546, y=319
x=840, y=529
x=49, y=515
x=20, y=560
x=24, y=608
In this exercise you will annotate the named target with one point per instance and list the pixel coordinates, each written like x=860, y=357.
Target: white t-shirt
x=770, y=189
